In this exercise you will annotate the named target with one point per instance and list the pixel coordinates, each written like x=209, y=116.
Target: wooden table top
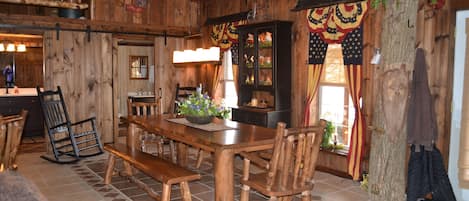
x=243, y=137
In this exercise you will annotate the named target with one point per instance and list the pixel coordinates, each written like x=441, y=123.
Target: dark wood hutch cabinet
x=264, y=78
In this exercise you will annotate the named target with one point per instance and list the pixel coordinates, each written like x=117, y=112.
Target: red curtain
x=314, y=76
x=357, y=140
x=317, y=54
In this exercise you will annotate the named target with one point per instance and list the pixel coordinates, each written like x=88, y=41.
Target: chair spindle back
x=11, y=129
x=295, y=154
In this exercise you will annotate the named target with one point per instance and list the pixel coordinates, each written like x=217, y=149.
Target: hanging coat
x=427, y=176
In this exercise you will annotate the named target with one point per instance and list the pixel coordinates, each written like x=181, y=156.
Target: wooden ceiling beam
x=307, y=4
x=48, y=3
x=66, y=24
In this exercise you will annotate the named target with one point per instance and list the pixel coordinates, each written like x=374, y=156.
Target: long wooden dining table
x=223, y=143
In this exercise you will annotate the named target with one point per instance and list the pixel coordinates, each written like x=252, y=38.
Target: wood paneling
x=435, y=37
x=29, y=68
x=84, y=71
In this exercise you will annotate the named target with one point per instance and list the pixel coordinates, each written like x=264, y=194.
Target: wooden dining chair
x=183, y=92
x=151, y=143
x=11, y=129
x=291, y=169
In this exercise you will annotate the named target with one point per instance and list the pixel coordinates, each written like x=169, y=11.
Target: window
x=138, y=67
x=334, y=97
x=229, y=93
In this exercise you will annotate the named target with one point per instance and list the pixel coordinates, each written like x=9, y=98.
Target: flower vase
x=199, y=119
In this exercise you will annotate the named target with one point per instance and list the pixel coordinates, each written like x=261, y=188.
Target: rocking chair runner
x=291, y=168
x=69, y=141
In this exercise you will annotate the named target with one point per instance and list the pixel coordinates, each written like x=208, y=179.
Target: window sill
x=340, y=152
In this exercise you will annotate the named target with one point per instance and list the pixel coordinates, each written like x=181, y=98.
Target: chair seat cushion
x=259, y=183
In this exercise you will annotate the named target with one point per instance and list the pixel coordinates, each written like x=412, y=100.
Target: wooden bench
x=159, y=169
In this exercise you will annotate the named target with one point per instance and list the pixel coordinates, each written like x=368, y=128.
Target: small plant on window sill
x=329, y=141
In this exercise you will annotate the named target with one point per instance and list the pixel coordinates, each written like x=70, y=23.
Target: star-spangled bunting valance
x=332, y=23
x=224, y=35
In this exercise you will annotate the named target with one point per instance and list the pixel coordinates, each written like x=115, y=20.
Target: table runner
x=206, y=127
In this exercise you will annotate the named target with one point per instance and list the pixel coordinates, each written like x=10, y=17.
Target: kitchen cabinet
x=34, y=125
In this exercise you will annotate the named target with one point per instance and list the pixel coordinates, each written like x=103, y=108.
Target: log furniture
x=159, y=169
x=224, y=144
x=151, y=143
x=69, y=141
x=11, y=128
x=291, y=169
x=264, y=77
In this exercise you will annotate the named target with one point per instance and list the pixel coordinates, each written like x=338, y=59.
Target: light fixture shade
x=21, y=48
x=2, y=47
x=10, y=47
x=200, y=55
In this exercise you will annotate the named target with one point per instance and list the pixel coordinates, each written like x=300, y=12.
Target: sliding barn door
x=82, y=67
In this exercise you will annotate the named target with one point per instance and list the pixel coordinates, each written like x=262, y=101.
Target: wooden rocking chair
x=69, y=141
x=291, y=169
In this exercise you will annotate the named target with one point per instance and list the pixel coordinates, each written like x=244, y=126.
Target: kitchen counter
x=21, y=92
x=26, y=99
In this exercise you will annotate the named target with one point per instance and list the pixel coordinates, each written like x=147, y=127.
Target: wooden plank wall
x=29, y=68
x=161, y=12
x=435, y=34
x=84, y=71
x=168, y=75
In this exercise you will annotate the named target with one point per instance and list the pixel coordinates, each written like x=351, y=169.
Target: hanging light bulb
x=21, y=48
x=10, y=47
x=2, y=47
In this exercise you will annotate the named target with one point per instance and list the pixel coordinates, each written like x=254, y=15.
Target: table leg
x=182, y=154
x=224, y=175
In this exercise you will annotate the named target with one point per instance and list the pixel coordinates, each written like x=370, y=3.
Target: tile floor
x=83, y=182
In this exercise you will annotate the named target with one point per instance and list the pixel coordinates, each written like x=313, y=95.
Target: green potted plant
x=327, y=137
x=200, y=109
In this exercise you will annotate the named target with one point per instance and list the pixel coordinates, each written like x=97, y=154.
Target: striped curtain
x=317, y=54
x=352, y=52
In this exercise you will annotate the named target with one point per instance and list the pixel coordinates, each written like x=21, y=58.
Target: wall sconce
x=200, y=55
x=10, y=47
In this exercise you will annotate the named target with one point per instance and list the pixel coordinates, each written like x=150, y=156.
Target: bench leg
x=109, y=168
x=185, y=191
x=166, y=193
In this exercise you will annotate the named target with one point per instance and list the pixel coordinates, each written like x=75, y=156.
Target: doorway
x=458, y=83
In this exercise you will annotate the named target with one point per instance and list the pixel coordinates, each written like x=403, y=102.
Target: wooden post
x=388, y=143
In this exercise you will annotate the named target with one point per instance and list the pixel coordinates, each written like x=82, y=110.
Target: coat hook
x=57, y=30
x=408, y=24
x=88, y=33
